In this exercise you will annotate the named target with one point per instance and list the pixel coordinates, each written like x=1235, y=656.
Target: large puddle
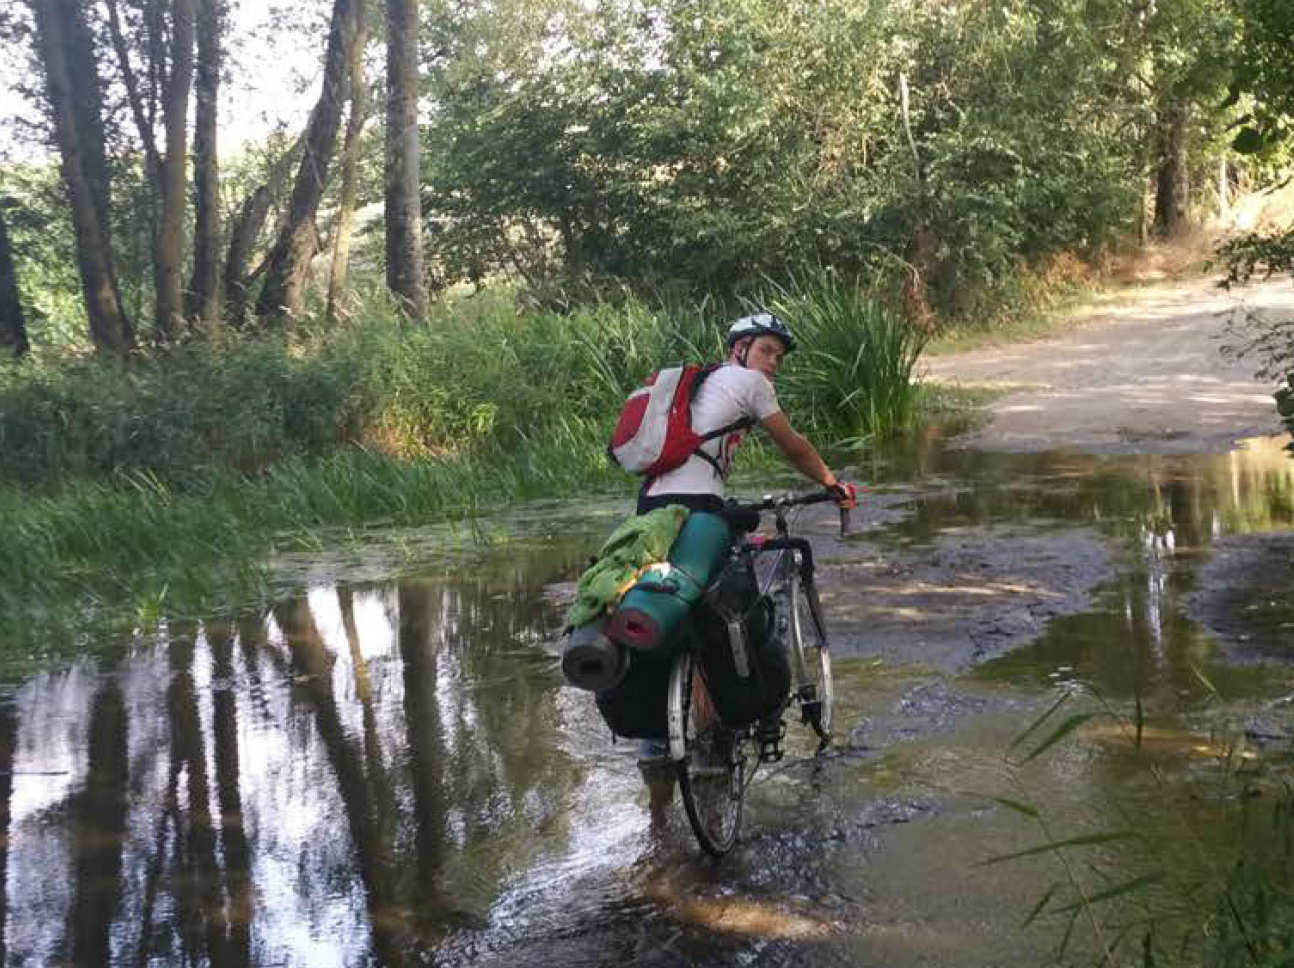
x=379, y=771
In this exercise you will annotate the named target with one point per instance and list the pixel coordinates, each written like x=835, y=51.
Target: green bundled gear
x=639, y=541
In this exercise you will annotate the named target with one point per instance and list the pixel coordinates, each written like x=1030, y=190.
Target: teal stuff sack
x=652, y=610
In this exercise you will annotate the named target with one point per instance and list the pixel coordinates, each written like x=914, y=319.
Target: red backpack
x=654, y=433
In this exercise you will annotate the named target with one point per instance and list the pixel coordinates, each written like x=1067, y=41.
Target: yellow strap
x=630, y=582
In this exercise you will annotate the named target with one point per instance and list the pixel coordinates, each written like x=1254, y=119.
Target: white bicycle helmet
x=760, y=324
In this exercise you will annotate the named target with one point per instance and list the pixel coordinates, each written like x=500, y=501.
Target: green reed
x=852, y=376
x=1207, y=884
x=104, y=550
x=184, y=467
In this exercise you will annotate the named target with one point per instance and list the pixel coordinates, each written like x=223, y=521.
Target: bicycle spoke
x=711, y=770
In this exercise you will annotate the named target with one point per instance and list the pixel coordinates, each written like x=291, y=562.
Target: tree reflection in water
x=1138, y=641
x=337, y=781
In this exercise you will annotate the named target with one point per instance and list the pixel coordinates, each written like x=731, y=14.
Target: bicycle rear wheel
x=811, y=681
x=711, y=769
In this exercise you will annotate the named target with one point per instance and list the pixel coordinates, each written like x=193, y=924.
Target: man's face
x=765, y=354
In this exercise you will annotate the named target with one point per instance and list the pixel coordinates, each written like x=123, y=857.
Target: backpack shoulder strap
x=705, y=438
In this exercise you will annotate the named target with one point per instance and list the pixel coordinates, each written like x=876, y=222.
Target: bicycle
x=711, y=758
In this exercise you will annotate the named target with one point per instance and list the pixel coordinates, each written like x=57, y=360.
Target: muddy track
x=1148, y=376
x=1145, y=376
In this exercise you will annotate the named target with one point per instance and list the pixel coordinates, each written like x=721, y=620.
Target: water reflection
x=390, y=772
x=336, y=781
x=1139, y=641
x=1175, y=502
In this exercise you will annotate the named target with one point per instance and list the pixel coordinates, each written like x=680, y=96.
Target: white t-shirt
x=729, y=394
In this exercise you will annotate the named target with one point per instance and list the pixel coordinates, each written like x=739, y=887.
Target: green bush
x=481, y=378
x=851, y=378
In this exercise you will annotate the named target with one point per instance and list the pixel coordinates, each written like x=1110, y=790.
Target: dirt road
x=1142, y=386
x=1145, y=376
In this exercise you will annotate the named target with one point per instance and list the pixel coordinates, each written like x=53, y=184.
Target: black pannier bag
x=635, y=708
x=745, y=665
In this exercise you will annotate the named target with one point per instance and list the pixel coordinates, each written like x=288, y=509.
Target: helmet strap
x=744, y=350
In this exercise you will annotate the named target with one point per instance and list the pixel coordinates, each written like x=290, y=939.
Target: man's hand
x=846, y=495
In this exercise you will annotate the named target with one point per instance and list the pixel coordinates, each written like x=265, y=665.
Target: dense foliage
x=692, y=148
x=713, y=143
x=946, y=145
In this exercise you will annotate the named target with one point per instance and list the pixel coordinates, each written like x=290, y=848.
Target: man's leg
x=658, y=774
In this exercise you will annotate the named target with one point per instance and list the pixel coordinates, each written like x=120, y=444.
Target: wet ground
x=383, y=769
x=1153, y=370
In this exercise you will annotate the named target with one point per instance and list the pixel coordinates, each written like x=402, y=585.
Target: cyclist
x=740, y=390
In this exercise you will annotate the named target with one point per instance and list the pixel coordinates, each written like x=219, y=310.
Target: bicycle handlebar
x=770, y=502
x=783, y=502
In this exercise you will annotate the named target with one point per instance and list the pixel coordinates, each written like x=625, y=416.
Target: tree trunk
x=204, y=285
x=1172, y=183
x=169, y=255
x=404, y=268
x=289, y=259
x=72, y=84
x=152, y=160
x=152, y=186
x=1224, y=189
x=87, y=102
x=243, y=233
x=349, y=162
x=13, y=331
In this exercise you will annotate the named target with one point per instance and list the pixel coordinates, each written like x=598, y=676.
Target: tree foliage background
x=690, y=148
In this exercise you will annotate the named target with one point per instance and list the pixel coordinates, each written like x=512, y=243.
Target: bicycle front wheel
x=711, y=769
x=810, y=660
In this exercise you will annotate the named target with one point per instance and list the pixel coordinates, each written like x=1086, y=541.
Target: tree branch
x=128, y=78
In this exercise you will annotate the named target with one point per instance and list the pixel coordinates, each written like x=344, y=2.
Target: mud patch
x=979, y=592
x=1243, y=597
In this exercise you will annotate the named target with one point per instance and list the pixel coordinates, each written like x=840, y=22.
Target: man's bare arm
x=797, y=450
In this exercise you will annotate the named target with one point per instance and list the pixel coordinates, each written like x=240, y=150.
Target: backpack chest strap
x=742, y=424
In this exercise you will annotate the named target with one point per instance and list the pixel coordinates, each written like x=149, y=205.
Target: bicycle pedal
x=770, y=751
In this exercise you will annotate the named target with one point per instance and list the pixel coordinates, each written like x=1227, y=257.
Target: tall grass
x=479, y=376
x=1206, y=883
x=104, y=551
x=852, y=376
x=186, y=465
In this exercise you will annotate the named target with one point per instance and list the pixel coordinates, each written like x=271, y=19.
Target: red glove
x=846, y=495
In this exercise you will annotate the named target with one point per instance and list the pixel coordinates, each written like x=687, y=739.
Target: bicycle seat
x=739, y=520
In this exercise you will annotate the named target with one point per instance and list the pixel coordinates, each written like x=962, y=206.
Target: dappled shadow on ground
x=1147, y=376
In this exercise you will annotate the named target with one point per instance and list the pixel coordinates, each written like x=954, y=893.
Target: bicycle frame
x=752, y=546
x=710, y=757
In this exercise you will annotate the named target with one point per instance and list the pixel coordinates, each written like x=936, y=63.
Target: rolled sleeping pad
x=652, y=609
x=592, y=661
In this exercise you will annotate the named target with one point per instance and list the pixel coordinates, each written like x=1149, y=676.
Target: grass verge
x=106, y=557
x=169, y=479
